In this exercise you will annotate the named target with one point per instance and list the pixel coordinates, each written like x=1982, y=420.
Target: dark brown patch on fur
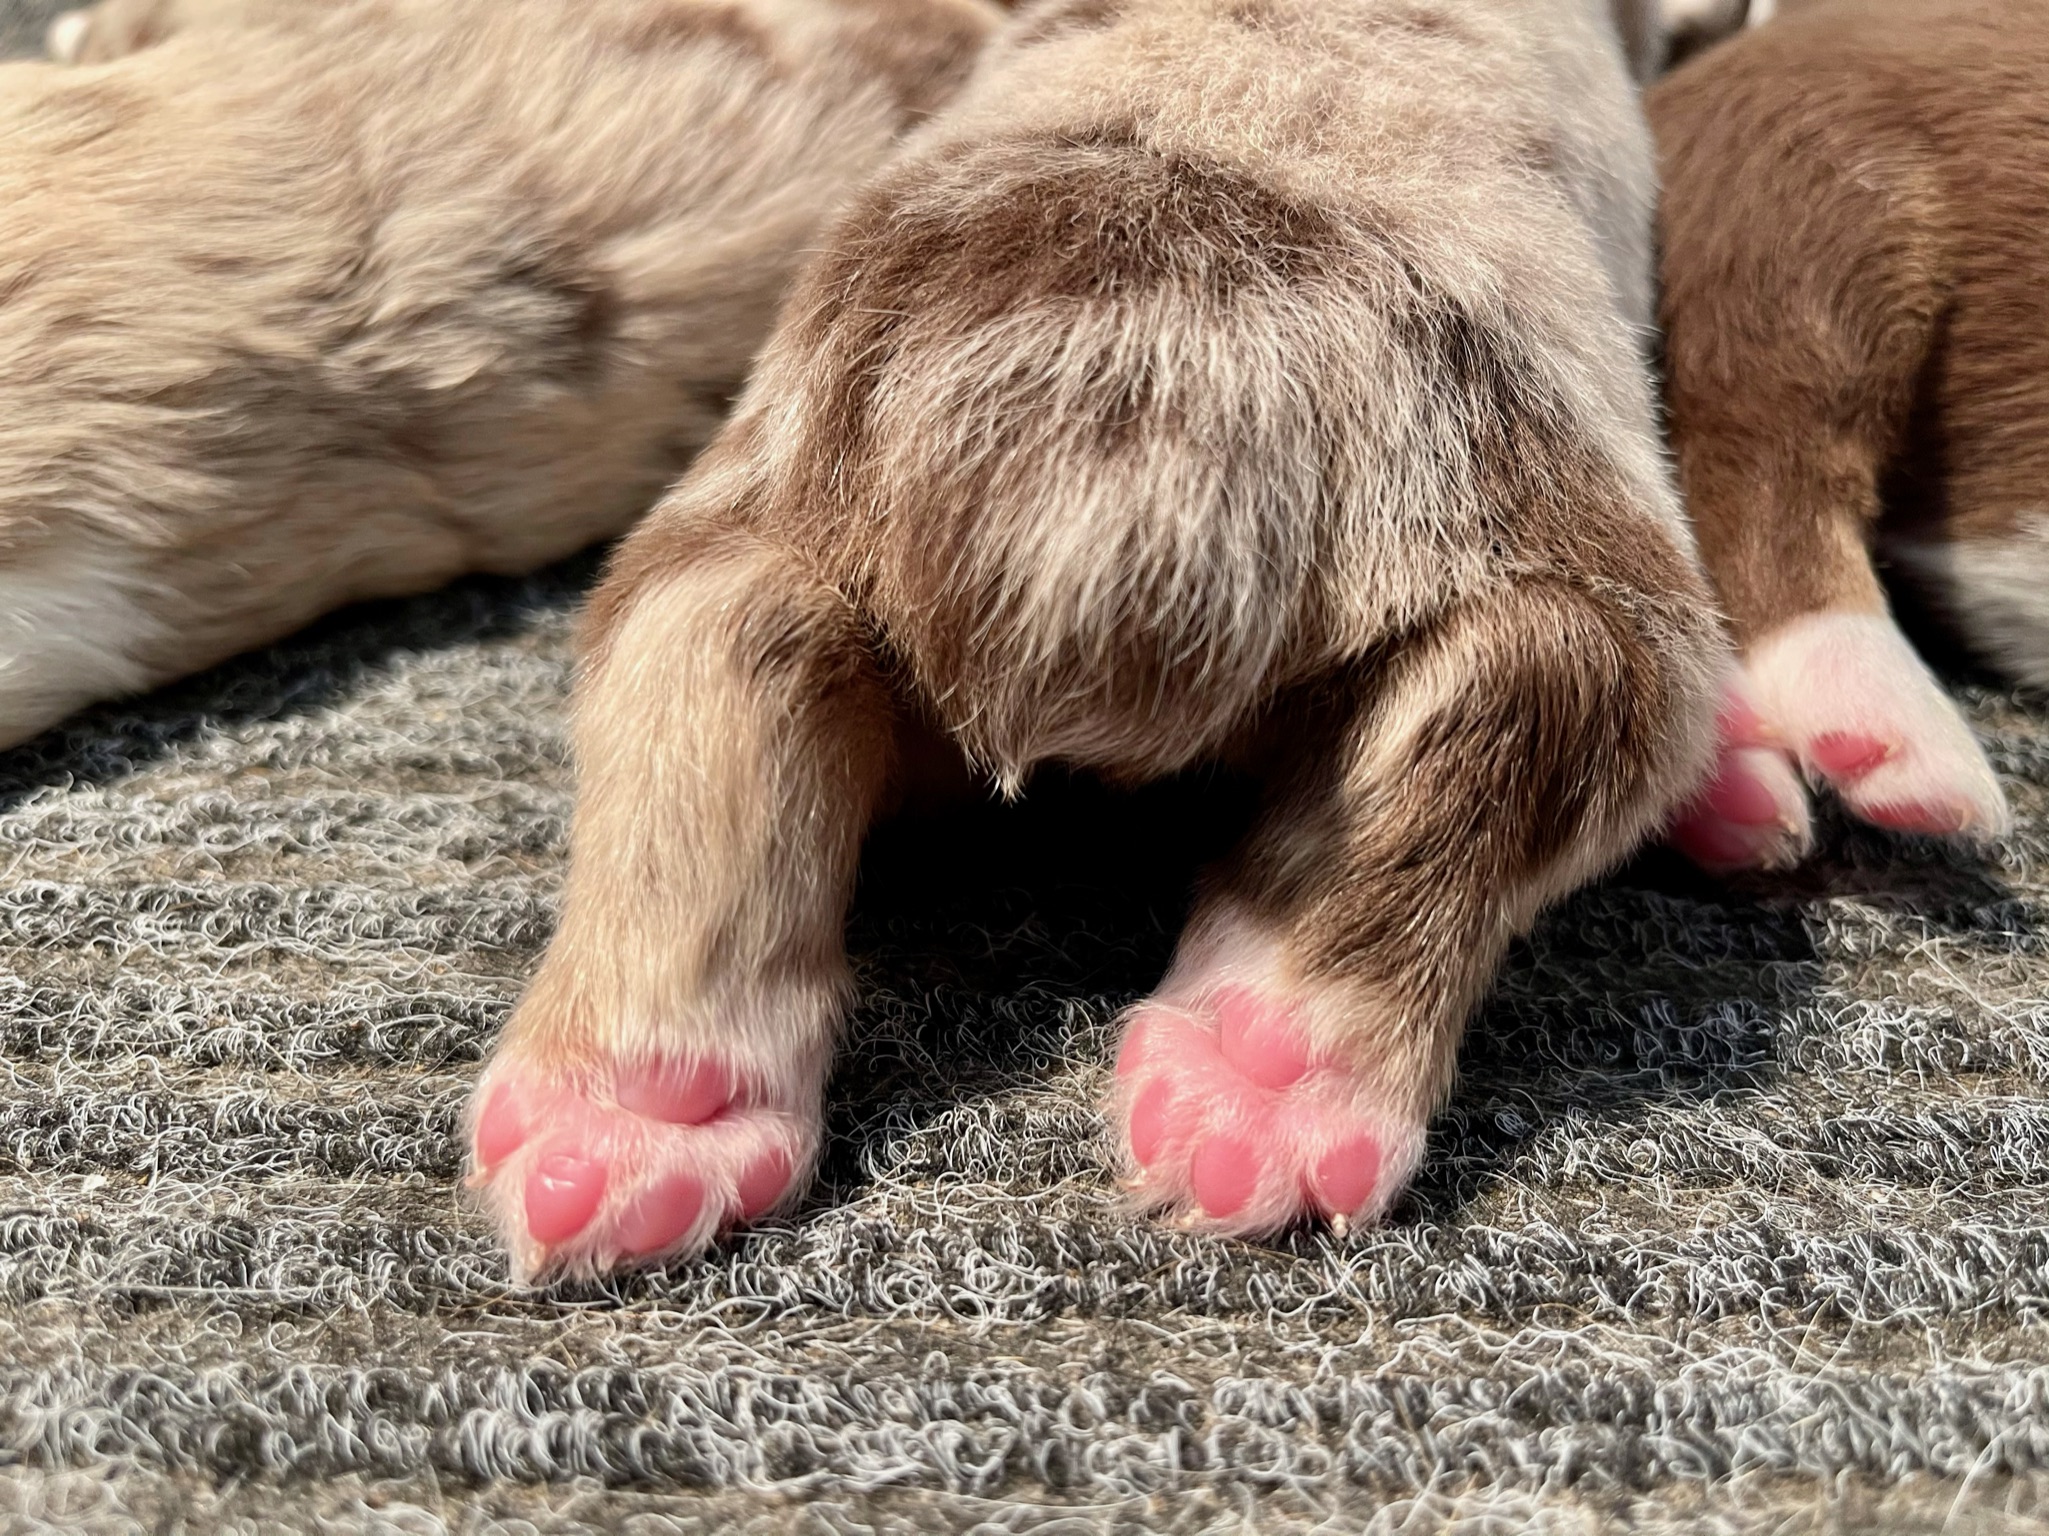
x=1552, y=705
x=1022, y=227
x=1098, y=217
x=1559, y=503
x=1404, y=872
x=667, y=541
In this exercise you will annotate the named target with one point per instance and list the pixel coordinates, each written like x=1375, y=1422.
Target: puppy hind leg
x=662, y=1078
x=1290, y=1061
x=1792, y=383
x=1829, y=684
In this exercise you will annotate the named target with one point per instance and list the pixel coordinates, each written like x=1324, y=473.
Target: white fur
x=72, y=628
x=1855, y=673
x=1996, y=591
x=67, y=35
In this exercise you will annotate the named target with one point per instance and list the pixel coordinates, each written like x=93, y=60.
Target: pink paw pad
x=1343, y=1178
x=1224, y=1174
x=628, y=1163
x=1928, y=818
x=1859, y=710
x=661, y=1215
x=502, y=1126
x=1753, y=813
x=1848, y=754
x=563, y=1192
x=1261, y=1041
x=682, y=1094
x=1233, y=1119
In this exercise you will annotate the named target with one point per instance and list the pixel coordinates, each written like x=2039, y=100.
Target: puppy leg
x=1828, y=684
x=1290, y=1062
x=1795, y=334
x=661, y=1080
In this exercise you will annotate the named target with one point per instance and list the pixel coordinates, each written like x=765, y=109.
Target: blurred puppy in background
x=1690, y=25
x=1856, y=208
x=306, y=303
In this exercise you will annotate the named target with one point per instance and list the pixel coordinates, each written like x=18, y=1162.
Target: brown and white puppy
x=1254, y=379
x=1856, y=211
x=306, y=303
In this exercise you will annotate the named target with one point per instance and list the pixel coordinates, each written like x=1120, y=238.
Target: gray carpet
x=1737, y=1222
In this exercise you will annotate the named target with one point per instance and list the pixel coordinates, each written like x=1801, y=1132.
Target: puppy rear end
x=1213, y=378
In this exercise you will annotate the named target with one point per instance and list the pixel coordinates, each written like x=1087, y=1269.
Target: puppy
x=308, y=303
x=1216, y=379
x=1856, y=205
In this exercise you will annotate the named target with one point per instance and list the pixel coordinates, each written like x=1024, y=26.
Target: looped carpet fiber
x=1738, y=1222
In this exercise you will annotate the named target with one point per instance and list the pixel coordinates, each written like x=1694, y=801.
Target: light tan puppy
x=1855, y=219
x=306, y=303
x=1252, y=379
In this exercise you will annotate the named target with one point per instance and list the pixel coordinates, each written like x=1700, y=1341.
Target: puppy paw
x=1860, y=711
x=1234, y=1120
x=609, y=1163
x=1842, y=700
x=1753, y=813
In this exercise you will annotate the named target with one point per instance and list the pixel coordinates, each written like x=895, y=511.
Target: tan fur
x=307, y=303
x=1216, y=378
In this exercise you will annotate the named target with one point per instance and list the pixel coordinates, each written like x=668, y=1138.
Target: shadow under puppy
x=1856, y=212
x=1214, y=379
x=305, y=303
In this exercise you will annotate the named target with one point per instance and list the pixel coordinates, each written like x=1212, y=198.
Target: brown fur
x=1186, y=390
x=316, y=302
x=1856, y=203
x=1856, y=209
